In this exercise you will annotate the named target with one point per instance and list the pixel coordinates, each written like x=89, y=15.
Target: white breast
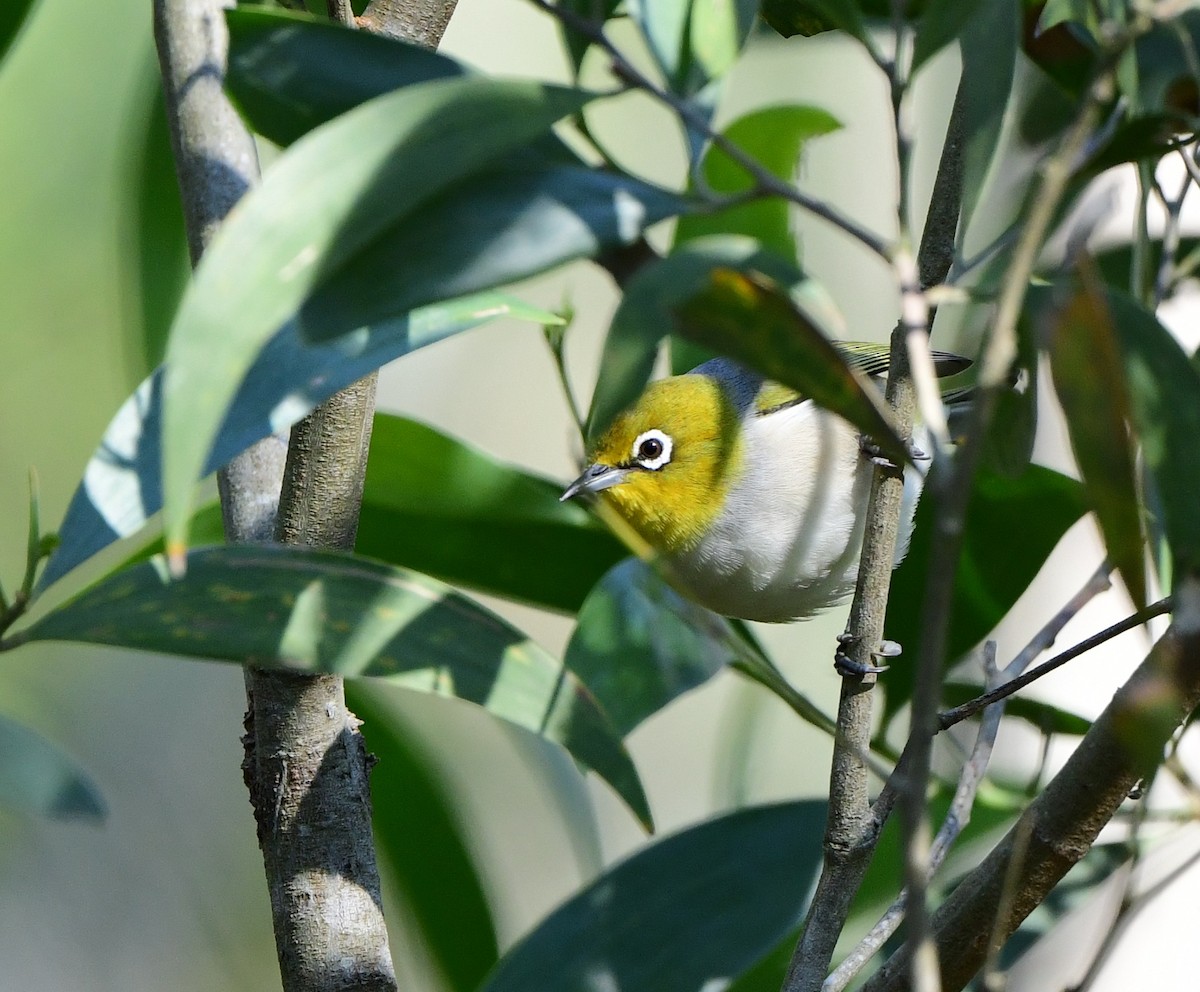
x=786, y=544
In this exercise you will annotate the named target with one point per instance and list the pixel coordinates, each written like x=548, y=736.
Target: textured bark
x=420, y=21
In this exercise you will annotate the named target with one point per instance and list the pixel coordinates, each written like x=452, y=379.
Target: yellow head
x=667, y=463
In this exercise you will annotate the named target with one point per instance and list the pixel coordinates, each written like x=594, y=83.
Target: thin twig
x=950, y=717
x=767, y=182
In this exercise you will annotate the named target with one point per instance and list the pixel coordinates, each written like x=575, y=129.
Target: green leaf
x=645, y=314
x=1085, y=361
x=994, y=570
x=320, y=611
x=681, y=915
x=13, y=15
x=162, y=252
x=717, y=30
x=596, y=11
x=774, y=136
x=315, y=212
x=1044, y=716
x=1164, y=399
x=438, y=506
x=290, y=73
x=809, y=17
x=424, y=851
x=122, y=484
x=941, y=23
x=989, y=57
x=753, y=321
x=664, y=26
x=638, y=644
x=36, y=777
x=509, y=222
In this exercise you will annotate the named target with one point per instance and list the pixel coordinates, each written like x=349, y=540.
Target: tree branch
x=1124, y=745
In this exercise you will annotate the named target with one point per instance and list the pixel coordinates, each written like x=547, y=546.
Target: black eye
x=650, y=449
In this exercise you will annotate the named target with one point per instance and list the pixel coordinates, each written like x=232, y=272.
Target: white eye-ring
x=652, y=449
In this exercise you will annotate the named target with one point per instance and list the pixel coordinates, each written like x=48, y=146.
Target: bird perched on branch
x=754, y=496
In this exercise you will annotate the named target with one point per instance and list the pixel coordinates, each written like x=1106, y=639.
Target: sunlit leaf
x=994, y=569
x=317, y=209
x=774, y=137
x=754, y=322
x=645, y=314
x=638, y=644
x=122, y=484
x=320, y=611
x=423, y=848
x=37, y=777
x=1089, y=380
x=435, y=505
x=681, y=915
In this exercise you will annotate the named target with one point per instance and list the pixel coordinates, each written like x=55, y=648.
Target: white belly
x=786, y=544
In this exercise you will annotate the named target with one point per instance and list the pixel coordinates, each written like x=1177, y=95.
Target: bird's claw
x=875, y=455
x=846, y=666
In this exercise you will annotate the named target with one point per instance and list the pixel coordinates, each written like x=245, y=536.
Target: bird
x=751, y=495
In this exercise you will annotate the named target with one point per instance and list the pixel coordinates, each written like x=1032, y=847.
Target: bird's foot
x=874, y=454
x=847, y=666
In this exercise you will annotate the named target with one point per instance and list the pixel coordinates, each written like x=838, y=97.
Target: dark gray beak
x=594, y=479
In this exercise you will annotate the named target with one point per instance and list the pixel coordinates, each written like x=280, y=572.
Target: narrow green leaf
x=664, y=26
x=512, y=221
x=122, y=484
x=989, y=58
x=1085, y=362
x=13, y=15
x=684, y=914
x=645, y=314
x=774, y=136
x=423, y=847
x=37, y=777
x=753, y=321
x=1164, y=398
x=638, y=644
x=941, y=23
x=321, y=611
x=290, y=72
x=994, y=569
x=596, y=11
x=317, y=209
x=717, y=30
x=435, y=505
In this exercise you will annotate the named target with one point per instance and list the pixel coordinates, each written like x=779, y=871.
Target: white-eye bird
x=754, y=496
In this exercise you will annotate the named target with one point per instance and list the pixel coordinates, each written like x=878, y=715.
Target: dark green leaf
x=994, y=569
x=1168, y=61
x=289, y=73
x=681, y=915
x=638, y=644
x=809, y=17
x=122, y=484
x=644, y=316
x=1046, y=717
x=754, y=322
x=507, y=223
x=321, y=611
x=437, y=506
x=317, y=209
x=13, y=14
x=989, y=55
x=36, y=777
x=162, y=253
x=1085, y=361
x=423, y=848
x=1164, y=395
x=596, y=11
x=664, y=26
x=774, y=136
x=941, y=23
